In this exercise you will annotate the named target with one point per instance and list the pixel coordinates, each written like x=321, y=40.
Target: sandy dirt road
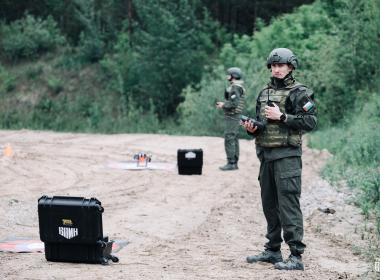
x=179, y=227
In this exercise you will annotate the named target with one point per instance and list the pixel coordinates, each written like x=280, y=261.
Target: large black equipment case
x=72, y=231
x=190, y=161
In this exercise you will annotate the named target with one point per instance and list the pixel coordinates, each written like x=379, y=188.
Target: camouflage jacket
x=234, y=98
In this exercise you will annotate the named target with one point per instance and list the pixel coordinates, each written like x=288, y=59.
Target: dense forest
x=157, y=66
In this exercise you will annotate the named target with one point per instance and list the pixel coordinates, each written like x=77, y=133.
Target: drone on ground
x=142, y=159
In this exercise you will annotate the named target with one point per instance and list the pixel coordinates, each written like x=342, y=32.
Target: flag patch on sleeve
x=309, y=105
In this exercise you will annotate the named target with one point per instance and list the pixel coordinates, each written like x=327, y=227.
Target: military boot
x=292, y=263
x=266, y=256
x=229, y=166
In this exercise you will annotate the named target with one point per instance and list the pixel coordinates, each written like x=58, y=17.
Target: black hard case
x=82, y=218
x=70, y=212
x=99, y=252
x=190, y=161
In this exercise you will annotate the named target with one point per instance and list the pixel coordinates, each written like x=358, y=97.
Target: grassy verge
x=355, y=146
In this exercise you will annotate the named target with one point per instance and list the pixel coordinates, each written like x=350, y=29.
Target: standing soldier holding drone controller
x=233, y=107
x=284, y=110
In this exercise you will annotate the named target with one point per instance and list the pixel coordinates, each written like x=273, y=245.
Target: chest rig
x=276, y=133
x=241, y=96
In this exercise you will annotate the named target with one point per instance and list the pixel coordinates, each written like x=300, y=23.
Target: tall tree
x=241, y=15
x=172, y=46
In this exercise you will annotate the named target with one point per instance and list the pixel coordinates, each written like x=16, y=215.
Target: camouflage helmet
x=235, y=73
x=282, y=56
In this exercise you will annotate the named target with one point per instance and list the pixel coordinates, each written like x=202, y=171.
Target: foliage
x=351, y=73
x=34, y=71
x=183, y=44
x=355, y=146
x=119, y=69
x=69, y=15
x=29, y=37
x=7, y=81
x=166, y=52
x=83, y=112
x=236, y=16
x=242, y=16
x=91, y=46
x=198, y=113
x=144, y=70
x=55, y=85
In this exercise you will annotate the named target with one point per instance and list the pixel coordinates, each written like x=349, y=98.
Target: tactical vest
x=240, y=107
x=276, y=133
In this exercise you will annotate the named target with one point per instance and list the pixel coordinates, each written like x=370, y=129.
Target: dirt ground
x=179, y=227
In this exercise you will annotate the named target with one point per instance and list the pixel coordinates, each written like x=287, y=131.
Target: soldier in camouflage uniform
x=286, y=109
x=233, y=107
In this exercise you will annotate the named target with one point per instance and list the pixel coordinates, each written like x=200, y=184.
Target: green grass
x=355, y=146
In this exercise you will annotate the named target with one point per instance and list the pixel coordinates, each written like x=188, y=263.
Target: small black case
x=190, y=161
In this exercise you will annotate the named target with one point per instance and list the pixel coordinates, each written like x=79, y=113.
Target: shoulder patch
x=308, y=106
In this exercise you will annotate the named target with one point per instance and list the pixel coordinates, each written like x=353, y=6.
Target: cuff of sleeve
x=289, y=119
x=227, y=106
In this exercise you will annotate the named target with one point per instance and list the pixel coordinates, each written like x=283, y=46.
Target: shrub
x=32, y=72
x=198, y=113
x=55, y=85
x=29, y=37
x=90, y=49
x=7, y=81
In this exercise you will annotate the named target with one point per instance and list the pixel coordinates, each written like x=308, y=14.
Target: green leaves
x=29, y=37
x=166, y=51
x=170, y=45
x=7, y=81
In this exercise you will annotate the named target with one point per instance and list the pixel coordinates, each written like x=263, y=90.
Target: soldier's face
x=280, y=70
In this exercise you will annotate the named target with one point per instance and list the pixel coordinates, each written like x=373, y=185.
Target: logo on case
x=68, y=232
x=190, y=155
x=67, y=222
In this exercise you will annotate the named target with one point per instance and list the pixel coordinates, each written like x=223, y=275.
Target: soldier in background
x=233, y=107
x=285, y=109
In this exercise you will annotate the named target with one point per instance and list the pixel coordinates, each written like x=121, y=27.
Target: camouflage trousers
x=280, y=182
x=231, y=139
